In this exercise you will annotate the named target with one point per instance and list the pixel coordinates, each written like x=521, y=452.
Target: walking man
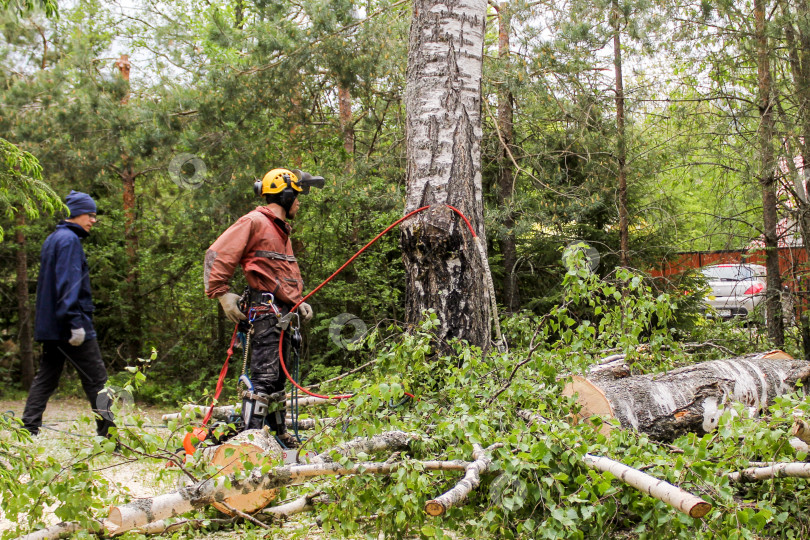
x=64, y=318
x=260, y=243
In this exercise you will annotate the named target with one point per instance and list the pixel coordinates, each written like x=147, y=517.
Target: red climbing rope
x=338, y=271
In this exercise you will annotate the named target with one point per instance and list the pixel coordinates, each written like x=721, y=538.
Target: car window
x=730, y=273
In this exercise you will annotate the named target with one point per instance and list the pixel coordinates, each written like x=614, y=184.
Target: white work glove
x=305, y=312
x=77, y=336
x=230, y=304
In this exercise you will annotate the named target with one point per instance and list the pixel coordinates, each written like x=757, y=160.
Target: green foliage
x=21, y=185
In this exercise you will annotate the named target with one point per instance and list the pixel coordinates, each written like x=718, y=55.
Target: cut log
x=253, y=445
x=688, y=399
x=674, y=496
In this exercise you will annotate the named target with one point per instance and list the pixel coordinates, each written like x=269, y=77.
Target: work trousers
x=86, y=358
x=265, y=369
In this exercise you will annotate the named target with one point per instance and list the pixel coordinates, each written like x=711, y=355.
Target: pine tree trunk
x=346, y=126
x=506, y=171
x=24, y=335
x=443, y=136
x=131, y=239
x=621, y=157
x=767, y=179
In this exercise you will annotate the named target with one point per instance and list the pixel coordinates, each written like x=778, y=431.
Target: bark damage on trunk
x=689, y=399
x=443, y=136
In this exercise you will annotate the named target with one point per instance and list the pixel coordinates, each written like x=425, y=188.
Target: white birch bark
x=674, y=496
x=460, y=492
x=443, y=141
x=691, y=398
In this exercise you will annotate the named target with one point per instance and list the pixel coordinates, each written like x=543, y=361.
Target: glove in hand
x=305, y=311
x=77, y=336
x=230, y=305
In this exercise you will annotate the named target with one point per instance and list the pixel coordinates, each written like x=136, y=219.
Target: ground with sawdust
x=67, y=424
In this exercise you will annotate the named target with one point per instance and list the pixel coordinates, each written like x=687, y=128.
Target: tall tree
x=767, y=177
x=621, y=151
x=443, y=135
x=506, y=165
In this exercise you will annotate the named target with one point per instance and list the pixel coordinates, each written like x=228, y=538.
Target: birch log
x=674, y=496
x=691, y=398
x=459, y=493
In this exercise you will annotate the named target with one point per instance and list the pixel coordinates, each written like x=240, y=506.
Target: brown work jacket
x=260, y=243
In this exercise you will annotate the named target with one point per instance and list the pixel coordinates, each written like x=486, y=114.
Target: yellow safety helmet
x=277, y=181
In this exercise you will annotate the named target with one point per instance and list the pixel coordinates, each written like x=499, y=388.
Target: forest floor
x=67, y=422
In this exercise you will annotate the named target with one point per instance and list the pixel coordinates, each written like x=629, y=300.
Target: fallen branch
x=224, y=412
x=301, y=504
x=142, y=511
x=471, y=480
x=63, y=529
x=778, y=470
x=674, y=496
x=388, y=441
x=801, y=430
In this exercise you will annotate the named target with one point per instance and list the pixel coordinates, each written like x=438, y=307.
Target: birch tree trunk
x=688, y=399
x=443, y=138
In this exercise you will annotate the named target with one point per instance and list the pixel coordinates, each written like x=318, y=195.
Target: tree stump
x=688, y=399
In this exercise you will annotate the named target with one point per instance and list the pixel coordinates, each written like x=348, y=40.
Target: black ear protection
x=257, y=188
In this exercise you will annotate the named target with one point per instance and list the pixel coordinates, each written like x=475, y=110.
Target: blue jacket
x=64, y=300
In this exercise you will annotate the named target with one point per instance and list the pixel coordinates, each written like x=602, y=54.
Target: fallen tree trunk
x=689, y=399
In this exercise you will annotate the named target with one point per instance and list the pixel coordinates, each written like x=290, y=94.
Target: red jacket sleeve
x=224, y=255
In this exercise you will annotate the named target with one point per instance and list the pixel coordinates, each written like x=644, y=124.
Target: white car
x=736, y=289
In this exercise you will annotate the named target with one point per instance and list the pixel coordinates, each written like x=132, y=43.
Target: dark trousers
x=265, y=369
x=86, y=358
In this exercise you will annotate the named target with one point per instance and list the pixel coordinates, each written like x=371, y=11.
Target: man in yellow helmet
x=260, y=243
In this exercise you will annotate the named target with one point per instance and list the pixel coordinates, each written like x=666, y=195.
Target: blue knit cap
x=80, y=203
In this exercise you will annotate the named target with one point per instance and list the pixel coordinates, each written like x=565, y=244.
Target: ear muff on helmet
x=277, y=181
